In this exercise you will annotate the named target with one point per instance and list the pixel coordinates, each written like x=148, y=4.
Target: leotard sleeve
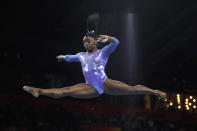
x=72, y=58
x=107, y=50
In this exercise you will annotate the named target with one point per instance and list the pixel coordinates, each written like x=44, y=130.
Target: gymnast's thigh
x=82, y=90
x=114, y=87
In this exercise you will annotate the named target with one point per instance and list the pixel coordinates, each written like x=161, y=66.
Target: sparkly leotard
x=93, y=65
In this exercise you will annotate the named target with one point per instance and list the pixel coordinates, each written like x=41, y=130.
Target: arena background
x=157, y=49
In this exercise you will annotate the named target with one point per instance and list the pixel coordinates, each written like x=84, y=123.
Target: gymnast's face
x=89, y=43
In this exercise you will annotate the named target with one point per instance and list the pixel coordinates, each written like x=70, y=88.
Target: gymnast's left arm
x=114, y=42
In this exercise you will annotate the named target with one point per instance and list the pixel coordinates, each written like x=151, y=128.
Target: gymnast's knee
x=55, y=95
x=60, y=93
x=67, y=91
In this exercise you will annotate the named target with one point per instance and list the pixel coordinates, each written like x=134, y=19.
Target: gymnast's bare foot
x=162, y=95
x=32, y=90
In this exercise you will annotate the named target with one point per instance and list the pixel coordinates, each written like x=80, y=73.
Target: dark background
x=35, y=32
x=157, y=49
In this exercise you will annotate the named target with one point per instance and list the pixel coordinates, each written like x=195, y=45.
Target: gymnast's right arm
x=69, y=58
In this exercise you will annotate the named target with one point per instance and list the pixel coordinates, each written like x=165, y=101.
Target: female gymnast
x=93, y=64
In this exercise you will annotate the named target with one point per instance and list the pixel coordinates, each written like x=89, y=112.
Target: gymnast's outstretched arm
x=69, y=58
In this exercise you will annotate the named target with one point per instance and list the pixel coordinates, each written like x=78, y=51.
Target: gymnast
x=93, y=63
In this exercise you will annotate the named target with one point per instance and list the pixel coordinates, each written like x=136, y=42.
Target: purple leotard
x=93, y=65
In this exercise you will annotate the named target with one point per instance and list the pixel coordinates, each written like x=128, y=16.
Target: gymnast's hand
x=60, y=58
x=105, y=38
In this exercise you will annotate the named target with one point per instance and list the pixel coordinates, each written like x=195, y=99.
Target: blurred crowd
x=18, y=115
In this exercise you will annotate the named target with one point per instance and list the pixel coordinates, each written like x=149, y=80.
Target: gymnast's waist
x=99, y=79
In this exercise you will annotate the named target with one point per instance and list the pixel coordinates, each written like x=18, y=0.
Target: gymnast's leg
x=113, y=87
x=77, y=91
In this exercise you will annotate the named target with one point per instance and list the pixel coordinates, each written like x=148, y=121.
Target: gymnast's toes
x=32, y=90
x=162, y=95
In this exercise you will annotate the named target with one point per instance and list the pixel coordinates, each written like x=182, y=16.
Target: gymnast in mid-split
x=93, y=63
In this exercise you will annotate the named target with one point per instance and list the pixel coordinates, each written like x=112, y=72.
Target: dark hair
x=92, y=34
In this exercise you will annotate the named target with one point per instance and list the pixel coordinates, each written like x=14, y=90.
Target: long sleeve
x=107, y=50
x=72, y=58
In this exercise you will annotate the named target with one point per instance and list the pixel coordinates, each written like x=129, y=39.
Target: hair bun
x=91, y=31
x=92, y=34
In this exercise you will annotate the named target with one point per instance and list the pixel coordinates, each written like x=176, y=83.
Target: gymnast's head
x=90, y=41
